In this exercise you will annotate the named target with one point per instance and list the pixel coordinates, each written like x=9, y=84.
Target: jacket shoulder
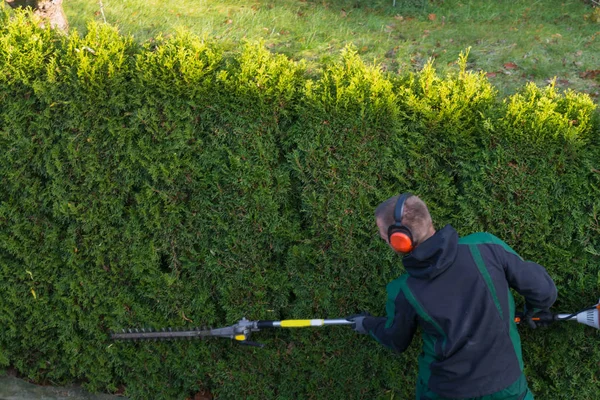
x=395, y=286
x=485, y=238
x=479, y=238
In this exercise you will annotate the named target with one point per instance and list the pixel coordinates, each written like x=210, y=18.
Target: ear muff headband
x=399, y=236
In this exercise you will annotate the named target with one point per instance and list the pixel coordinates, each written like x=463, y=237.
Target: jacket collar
x=433, y=256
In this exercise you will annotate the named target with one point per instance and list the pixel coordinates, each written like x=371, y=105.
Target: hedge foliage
x=171, y=184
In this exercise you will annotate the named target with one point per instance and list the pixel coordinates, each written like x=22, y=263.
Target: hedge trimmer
x=241, y=331
x=588, y=316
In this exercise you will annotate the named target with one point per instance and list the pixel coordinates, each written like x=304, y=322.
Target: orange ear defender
x=399, y=236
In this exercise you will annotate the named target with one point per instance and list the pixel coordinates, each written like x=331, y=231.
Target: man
x=457, y=291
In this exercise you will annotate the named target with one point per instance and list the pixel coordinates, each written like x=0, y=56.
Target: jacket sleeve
x=397, y=330
x=529, y=279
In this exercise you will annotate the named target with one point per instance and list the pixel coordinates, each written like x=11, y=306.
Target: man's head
x=415, y=216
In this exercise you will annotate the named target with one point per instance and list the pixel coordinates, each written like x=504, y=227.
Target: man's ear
x=382, y=229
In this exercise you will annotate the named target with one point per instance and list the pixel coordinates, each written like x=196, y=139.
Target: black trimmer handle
x=541, y=318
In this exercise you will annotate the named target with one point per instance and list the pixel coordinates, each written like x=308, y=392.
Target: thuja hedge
x=172, y=184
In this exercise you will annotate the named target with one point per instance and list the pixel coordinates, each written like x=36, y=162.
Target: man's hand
x=358, y=320
x=543, y=317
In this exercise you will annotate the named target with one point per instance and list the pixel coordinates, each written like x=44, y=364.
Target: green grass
x=514, y=41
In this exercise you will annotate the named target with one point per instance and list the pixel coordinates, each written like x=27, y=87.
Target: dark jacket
x=457, y=291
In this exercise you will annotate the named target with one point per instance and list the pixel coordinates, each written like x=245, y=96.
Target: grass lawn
x=513, y=41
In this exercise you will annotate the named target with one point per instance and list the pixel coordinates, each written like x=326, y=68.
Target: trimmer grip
x=542, y=317
x=264, y=324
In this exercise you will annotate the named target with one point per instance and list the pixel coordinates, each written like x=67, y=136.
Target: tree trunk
x=49, y=10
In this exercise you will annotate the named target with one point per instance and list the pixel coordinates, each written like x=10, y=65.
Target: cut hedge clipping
x=172, y=184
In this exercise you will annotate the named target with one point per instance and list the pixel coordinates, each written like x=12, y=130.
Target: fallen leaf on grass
x=392, y=53
x=184, y=317
x=431, y=17
x=590, y=74
x=343, y=13
x=510, y=65
x=290, y=348
x=491, y=74
x=399, y=17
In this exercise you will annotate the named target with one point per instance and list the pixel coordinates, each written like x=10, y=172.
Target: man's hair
x=415, y=216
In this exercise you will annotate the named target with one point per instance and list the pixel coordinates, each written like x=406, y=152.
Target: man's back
x=458, y=292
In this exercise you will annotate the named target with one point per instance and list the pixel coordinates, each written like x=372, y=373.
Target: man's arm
x=529, y=279
x=395, y=331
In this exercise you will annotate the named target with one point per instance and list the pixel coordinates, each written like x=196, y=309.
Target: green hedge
x=172, y=184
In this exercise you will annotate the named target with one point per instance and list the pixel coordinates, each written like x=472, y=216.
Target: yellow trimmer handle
x=301, y=323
